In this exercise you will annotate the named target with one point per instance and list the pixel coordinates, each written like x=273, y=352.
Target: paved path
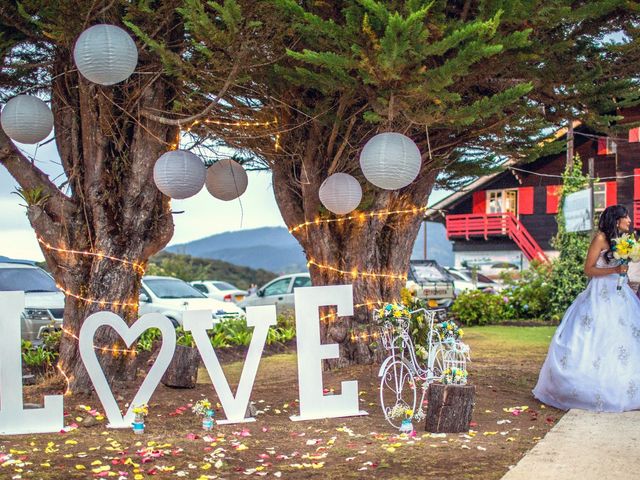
x=585, y=446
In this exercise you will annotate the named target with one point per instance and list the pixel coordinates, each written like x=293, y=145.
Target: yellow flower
x=460, y=332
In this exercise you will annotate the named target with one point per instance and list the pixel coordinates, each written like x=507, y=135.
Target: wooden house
x=510, y=216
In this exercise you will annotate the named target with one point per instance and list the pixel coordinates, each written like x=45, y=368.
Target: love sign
x=313, y=403
x=129, y=335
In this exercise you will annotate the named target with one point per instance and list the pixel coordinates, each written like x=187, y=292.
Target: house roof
x=455, y=197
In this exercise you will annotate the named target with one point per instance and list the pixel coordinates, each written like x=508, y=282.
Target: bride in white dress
x=593, y=361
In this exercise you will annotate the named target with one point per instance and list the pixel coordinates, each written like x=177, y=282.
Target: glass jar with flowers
x=203, y=407
x=140, y=411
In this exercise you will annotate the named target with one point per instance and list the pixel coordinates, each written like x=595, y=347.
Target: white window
x=599, y=197
x=502, y=201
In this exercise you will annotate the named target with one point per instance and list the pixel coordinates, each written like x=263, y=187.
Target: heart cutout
x=129, y=335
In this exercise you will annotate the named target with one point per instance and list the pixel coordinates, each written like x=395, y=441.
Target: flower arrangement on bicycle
x=454, y=376
x=448, y=331
x=393, y=312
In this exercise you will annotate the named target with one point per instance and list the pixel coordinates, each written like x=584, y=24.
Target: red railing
x=636, y=214
x=486, y=224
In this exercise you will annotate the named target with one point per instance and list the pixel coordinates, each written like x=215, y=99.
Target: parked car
x=463, y=280
x=44, y=303
x=493, y=270
x=172, y=297
x=278, y=292
x=429, y=281
x=220, y=290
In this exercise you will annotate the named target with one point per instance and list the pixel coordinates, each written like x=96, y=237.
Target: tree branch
x=29, y=176
x=182, y=121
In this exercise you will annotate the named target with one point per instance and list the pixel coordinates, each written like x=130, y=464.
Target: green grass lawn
x=496, y=340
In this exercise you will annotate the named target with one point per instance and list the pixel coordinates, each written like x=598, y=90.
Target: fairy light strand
x=100, y=302
x=358, y=305
x=66, y=379
x=136, y=266
x=115, y=350
x=357, y=273
x=358, y=216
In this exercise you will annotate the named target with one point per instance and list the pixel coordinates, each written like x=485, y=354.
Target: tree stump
x=183, y=369
x=449, y=408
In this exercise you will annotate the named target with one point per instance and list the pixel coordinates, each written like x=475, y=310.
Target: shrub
x=38, y=357
x=145, y=341
x=474, y=307
x=529, y=295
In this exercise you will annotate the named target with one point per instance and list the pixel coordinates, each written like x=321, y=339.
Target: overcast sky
x=203, y=214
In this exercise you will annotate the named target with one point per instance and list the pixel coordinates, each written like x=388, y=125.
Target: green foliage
x=474, y=307
x=36, y=196
x=568, y=278
x=38, y=356
x=51, y=340
x=184, y=337
x=529, y=294
x=190, y=268
x=146, y=340
x=524, y=297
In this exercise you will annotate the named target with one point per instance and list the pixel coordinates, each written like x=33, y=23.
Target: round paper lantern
x=26, y=119
x=105, y=54
x=179, y=174
x=340, y=193
x=390, y=161
x=226, y=179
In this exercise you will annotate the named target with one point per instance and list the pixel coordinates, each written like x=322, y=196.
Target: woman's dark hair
x=608, y=224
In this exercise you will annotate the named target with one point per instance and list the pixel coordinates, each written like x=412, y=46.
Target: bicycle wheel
x=397, y=392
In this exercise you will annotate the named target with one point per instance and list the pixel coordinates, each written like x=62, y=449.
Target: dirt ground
x=174, y=445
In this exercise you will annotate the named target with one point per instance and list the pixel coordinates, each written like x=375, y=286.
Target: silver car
x=44, y=303
x=278, y=292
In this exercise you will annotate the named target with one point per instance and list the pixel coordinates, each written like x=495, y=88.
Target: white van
x=44, y=303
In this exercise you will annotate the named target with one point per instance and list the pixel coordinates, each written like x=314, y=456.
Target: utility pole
x=425, y=238
x=570, y=145
x=591, y=200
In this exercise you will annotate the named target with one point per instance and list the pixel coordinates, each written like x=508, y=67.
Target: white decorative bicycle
x=402, y=374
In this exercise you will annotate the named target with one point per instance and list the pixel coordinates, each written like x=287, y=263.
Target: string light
x=115, y=350
x=175, y=145
x=358, y=216
x=358, y=305
x=364, y=336
x=66, y=379
x=100, y=302
x=357, y=273
x=136, y=266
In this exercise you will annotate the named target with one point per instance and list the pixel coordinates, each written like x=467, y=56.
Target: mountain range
x=275, y=249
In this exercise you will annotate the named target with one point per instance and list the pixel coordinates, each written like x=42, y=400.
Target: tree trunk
x=111, y=208
x=449, y=408
x=370, y=244
x=183, y=369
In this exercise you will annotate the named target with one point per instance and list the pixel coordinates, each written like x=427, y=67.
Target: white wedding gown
x=593, y=361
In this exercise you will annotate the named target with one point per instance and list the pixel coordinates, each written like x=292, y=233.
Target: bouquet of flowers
x=393, y=312
x=625, y=248
x=448, y=330
x=454, y=376
x=203, y=407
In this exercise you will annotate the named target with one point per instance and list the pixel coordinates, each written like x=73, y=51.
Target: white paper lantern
x=26, y=119
x=340, y=193
x=226, y=179
x=105, y=54
x=179, y=174
x=390, y=161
